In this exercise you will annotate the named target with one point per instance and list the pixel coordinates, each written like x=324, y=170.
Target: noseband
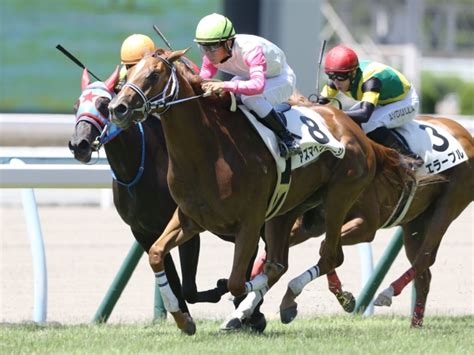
x=88, y=112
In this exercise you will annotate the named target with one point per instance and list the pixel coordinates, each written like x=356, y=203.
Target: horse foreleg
x=172, y=236
x=345, y=298
x=356, y=230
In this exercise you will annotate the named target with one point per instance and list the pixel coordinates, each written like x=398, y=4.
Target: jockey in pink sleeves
x=262, y=78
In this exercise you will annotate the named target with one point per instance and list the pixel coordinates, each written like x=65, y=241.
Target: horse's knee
x=156, y=257
x=236, y=288
x=424, y=261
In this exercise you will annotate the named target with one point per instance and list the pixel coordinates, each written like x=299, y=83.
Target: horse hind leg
x=331, y=254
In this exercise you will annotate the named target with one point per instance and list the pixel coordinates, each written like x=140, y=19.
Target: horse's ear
x=112, y=80
x=85, y=79
x=177, y=54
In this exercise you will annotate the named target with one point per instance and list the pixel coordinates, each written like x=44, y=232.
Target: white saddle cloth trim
x=438, y=148
x=315, y=139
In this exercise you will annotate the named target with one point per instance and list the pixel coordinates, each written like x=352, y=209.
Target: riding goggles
x=210, y=47
x=338, y=76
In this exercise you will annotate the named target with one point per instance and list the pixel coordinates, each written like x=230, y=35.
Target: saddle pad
x=307, y=124
x=438, y=148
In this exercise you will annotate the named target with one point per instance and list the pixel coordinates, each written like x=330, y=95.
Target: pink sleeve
x=207, y=69
x=257, y=63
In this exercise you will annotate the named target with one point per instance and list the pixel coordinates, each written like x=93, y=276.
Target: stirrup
x=288, y=151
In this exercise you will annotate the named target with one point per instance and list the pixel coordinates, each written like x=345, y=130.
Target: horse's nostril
x=120, y=110
x=83, y=145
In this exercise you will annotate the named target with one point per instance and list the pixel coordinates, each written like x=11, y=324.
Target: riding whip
x=75, y=60
x=168, y=44
x=323, y=45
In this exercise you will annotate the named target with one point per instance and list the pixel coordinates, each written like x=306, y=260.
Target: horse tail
x=393, y=165
x=396, y=167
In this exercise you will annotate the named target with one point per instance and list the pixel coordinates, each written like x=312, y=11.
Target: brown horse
x=222, y=176
x=435, y=204
x=139, y=161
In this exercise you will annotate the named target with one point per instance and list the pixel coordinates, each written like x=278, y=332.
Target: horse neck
x=124, y=153
x=190, y=134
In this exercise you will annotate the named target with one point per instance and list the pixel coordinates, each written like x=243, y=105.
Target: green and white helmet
x=214, y=28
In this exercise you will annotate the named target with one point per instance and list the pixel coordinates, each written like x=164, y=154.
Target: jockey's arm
x=255, y=60
x=208, y=71
x=329, y=90
x=361, y=112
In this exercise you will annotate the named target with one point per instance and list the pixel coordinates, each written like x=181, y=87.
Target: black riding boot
x=388, y=138
x=275, y=123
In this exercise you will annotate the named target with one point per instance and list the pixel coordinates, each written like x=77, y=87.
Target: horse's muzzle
x=120, y=114
x=82, y=151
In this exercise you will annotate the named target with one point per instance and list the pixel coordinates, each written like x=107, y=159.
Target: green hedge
x=434, y=88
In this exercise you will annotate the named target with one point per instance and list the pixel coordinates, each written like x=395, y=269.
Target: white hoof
x=384, y=298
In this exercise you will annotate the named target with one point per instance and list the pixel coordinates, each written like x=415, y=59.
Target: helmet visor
x=338, y=76
x=209, y=47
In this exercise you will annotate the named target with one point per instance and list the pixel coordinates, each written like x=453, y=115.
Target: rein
x=141, y=169
x=161, y=100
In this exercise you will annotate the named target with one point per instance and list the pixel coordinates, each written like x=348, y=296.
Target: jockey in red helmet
x=386, y=99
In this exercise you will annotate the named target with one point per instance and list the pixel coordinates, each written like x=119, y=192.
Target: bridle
x=164, y=99
x=88, y=112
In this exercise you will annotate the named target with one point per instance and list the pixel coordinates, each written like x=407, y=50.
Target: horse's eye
x=154, y=76
x=76, y=105
x=102, y=105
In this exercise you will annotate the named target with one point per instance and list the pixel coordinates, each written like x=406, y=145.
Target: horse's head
x=92, y=115
x=151, y=85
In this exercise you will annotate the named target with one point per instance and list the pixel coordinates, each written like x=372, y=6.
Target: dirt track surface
x=85, y=247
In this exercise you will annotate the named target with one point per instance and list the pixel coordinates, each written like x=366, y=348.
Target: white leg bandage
x=259, y=282
x=297, y=284
x=247, y=306
x=169, y=299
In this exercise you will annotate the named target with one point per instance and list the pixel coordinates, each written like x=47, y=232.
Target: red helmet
x=341, y=59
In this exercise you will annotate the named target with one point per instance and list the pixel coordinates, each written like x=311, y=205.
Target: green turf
x=323, y=335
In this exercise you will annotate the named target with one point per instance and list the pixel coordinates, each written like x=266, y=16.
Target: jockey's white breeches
x=395, y=114
x=277, y=89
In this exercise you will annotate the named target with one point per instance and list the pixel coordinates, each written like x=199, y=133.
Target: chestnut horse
x=436, y=203
x=222, y=176
x=139, y=161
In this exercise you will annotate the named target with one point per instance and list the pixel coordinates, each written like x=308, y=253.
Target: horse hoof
x=222, y=286
x=257, y=323
x=288, y=314
x=233, y=324
x=186, y=323
x=416, y=323
x=383, y=300
x=347, y=301
x=190, y=328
